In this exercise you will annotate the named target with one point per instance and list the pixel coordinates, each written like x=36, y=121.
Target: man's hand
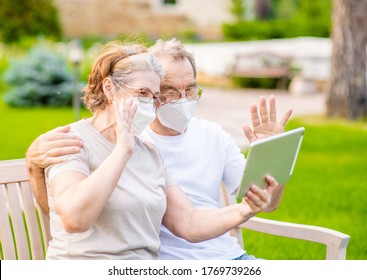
x=276, y=192
x=267, y=200
x=264, y=122
x=53, y=147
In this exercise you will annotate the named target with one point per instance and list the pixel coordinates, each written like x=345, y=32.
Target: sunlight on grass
x=328, y=185
x=20, y=126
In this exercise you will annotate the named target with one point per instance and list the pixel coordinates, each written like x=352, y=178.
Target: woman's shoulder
x=81, y=128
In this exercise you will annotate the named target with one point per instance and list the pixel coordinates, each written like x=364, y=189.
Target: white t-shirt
x=129, y=224
x=199, y=160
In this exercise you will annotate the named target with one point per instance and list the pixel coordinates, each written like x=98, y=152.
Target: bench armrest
x=336, y=242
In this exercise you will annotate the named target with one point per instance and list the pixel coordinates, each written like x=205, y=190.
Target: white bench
x=21, y=220
x=262, y=65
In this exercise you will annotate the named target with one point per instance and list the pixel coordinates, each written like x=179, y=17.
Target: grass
x=327, y=188
x=19, y=126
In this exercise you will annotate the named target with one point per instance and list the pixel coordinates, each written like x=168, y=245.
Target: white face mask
x=176, y=115
x=143, y=116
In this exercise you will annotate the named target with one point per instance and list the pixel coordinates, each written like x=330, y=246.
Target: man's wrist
x=35, y=170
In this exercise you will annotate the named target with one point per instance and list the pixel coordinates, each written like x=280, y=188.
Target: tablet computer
x=275, y=156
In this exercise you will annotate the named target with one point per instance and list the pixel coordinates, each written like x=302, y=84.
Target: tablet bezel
x=275, y=156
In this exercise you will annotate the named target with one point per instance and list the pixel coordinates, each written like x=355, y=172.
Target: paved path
x=230, y=108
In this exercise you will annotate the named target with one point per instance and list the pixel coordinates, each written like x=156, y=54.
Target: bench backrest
x=24, y=228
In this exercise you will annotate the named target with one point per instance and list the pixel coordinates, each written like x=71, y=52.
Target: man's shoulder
x=204, y=124
x=203, y=127
x=210, y=129
x=146, y=135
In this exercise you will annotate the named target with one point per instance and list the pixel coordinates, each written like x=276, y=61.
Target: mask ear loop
x=109, y=95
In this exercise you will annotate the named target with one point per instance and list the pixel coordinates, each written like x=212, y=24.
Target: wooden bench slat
x=17, y=204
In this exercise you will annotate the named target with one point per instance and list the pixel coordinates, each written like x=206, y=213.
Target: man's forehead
x=177, y=73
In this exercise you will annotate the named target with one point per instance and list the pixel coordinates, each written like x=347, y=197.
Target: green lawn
x=19, y=127
x=327, y=188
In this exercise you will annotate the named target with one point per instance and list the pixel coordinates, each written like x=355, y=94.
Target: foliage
x=189, y=36
x=27, y=18
x=243, y=82
x=4, y=63
x=286, y=22
x=41, y=79
x=284, y=8
x=237, y=9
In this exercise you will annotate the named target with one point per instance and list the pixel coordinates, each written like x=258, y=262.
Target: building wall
x=206, y=15
x=207, y=12
x=115, y=17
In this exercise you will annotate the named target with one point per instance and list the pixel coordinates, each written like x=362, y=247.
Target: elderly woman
x=109, y=200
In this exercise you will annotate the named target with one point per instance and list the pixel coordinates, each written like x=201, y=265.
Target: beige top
x=128, y=227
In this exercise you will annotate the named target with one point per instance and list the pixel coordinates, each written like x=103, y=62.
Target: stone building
x=154, y=18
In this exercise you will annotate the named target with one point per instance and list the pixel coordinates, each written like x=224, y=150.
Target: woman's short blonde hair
x=119, y=61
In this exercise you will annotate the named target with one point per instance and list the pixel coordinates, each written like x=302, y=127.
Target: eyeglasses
x=145, y=95
x=171, y=94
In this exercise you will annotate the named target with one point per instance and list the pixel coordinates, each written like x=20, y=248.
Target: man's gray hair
x=173, y=49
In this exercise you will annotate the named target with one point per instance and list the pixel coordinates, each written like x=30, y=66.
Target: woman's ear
x=108, y=88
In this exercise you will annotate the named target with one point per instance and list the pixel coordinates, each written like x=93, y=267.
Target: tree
x=263, y=9
x=22, y=18
x=347, y=97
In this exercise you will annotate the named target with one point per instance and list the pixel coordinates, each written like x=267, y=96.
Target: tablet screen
x=275, y=156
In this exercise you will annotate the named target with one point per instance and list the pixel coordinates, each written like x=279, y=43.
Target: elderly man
x=198, y=153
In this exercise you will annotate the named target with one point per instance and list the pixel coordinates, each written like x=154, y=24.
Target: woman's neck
x=103, y=122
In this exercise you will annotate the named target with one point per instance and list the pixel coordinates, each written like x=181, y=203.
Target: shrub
x=268, y=83
x=28, y=18
x=42, y=79
x=290, y=23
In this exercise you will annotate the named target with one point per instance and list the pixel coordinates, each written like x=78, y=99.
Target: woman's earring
x=110, y=99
